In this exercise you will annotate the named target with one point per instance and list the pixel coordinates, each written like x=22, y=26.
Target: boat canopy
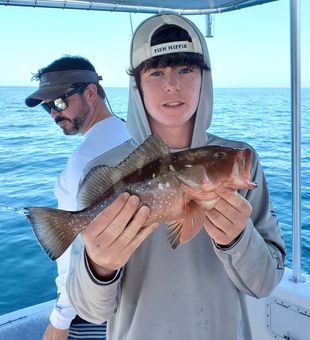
x=145, y=6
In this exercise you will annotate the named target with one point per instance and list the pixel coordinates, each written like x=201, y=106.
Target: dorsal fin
x=101, y=178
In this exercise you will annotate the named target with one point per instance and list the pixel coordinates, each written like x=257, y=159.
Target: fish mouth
x=248, y=161
x=244, y=165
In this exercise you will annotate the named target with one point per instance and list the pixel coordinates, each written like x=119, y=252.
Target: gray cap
x=142, y=50
x=55, y=84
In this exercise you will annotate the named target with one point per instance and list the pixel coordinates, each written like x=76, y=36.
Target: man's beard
x=77, y=123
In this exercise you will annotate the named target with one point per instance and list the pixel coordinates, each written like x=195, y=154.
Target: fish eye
x=220, y=154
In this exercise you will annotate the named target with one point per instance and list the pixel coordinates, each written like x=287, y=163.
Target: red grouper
x=178, y=187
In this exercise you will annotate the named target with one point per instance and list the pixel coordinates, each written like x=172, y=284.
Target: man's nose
x=54, y=113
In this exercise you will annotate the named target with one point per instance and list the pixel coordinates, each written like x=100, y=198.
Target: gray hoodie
x=198, y=290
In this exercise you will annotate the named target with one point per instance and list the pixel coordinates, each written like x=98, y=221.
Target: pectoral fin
x=182, y=231
x=208, y=204
x=200, y=195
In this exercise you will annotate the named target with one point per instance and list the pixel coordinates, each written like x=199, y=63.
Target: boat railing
x=295, y=139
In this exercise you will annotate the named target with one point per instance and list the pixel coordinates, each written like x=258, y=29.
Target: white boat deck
x=285, y=314
x=26, y=324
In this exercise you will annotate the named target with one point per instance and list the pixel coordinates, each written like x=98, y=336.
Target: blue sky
x=250, y=47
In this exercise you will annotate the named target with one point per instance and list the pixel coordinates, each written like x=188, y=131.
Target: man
x=70, y=92
x=127, y=273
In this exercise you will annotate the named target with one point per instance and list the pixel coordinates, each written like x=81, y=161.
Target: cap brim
x=43, y=93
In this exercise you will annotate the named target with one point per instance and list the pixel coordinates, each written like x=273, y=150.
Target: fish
x=177, y=186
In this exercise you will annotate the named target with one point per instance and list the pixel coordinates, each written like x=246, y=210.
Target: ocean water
x=33, y=151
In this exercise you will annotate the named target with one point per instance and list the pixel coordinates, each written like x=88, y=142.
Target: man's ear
x=91, y=91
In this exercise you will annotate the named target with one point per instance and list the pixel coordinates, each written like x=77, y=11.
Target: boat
x=285, y=313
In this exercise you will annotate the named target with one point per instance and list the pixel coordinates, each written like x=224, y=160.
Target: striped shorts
x=81, y=329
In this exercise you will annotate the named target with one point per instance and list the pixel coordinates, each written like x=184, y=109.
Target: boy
x=128, y=274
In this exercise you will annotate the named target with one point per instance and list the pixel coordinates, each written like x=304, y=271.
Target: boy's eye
x=186, y=70
x=156, y=73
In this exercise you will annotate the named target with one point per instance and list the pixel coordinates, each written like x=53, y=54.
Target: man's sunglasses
x=60, y=104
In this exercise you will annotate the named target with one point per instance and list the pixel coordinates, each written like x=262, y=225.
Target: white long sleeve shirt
x=102, y=137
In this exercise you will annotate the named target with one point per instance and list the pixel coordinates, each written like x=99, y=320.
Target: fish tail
x=50, y=227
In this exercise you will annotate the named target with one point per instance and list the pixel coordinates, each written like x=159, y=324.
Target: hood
x=137, y=121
